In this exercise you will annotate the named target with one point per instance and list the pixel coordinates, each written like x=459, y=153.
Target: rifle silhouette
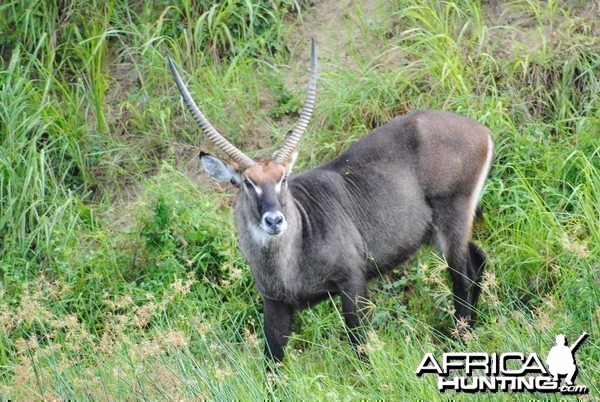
x=576, y=344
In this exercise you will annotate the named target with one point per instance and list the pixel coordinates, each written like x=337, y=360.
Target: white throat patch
x=259, y=235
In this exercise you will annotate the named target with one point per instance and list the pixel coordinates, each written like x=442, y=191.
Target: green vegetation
x=121, y=277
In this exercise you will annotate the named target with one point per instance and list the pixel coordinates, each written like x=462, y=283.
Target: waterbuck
x=326, y=231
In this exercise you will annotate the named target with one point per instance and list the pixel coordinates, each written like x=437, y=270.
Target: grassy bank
x=121, y=277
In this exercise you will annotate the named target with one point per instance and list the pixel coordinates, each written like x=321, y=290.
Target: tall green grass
x=121, y=277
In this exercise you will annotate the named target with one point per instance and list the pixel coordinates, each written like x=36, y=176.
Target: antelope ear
x=221, y=170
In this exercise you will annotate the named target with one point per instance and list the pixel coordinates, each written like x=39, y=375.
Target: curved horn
x=292, y=140
x=207, y=128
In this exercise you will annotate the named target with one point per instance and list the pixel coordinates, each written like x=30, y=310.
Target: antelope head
x=262, y=185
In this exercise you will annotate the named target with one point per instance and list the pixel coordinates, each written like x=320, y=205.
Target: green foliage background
x=120, y=273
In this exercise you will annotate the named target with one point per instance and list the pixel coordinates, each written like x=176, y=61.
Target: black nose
x=274, y=221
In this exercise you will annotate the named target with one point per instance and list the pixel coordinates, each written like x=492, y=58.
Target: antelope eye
x=247, y=183
x=284, y=180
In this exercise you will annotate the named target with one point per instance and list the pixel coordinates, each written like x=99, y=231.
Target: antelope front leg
x=278, y=327
x=353, y=310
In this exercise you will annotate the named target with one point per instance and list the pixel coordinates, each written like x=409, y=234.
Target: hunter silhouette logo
x=507, y=372
x=561, y=359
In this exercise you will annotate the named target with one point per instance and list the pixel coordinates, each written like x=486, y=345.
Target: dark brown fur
x=368, y=210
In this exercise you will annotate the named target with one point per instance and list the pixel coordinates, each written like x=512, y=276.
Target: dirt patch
x=342, y=30
x=124, y=81
x=519, y=28
x=335, y=27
